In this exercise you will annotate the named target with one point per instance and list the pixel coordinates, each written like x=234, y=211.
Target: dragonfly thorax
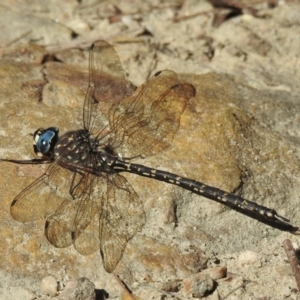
x=78, y=150
x=76, y=143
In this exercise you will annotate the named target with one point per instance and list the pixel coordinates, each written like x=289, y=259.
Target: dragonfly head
x=45, y=141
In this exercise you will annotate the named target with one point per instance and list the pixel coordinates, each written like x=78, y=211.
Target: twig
x=294, y=262
x=243, y=285
x=124, y=288
x=35, y=296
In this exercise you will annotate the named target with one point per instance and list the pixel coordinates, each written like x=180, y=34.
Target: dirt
x=240, y=133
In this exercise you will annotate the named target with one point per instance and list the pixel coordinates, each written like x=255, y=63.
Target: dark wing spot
x=157, y=73
x=46, y=225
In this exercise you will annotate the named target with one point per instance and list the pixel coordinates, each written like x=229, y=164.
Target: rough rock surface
x=240, y=133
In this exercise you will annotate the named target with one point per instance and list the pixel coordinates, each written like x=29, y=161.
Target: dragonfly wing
x=105, y=213
x=74, y=222
x=107, y=85
x=145, y=124
x=44, y=196
x=122, y=217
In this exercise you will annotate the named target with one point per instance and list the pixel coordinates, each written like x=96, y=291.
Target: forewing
x=87, y=241
x=105, y=212
x=74, y=221
x=145, y=124
x=107, y=84
x=122, y=216
x=112, y=247
x=59, y=226
x=44, y=196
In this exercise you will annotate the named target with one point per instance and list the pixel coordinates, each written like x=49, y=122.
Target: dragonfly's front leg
x=34, y=161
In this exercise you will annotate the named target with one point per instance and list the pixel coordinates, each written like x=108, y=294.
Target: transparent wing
x=145, y=124
x=44, y=196
x=107, y=84
x=88, y=241
x=72, y=218
x=141, y=124
x=121, y=218
x=105, y=213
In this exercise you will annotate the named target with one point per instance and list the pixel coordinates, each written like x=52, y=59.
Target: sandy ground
x=240, y=133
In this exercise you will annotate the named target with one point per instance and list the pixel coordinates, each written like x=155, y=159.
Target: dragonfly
x=82, y=195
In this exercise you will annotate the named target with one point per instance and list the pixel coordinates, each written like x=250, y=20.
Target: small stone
x=197, y=285
x=249, y=257
x=216, y=272
x=80, y=289
x=49, y=286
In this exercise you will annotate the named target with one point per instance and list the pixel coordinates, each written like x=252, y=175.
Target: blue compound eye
x=45, y=140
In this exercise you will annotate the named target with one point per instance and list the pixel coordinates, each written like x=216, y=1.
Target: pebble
x=49, y=286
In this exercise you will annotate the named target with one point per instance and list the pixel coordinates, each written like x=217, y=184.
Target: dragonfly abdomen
x=231, y=200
